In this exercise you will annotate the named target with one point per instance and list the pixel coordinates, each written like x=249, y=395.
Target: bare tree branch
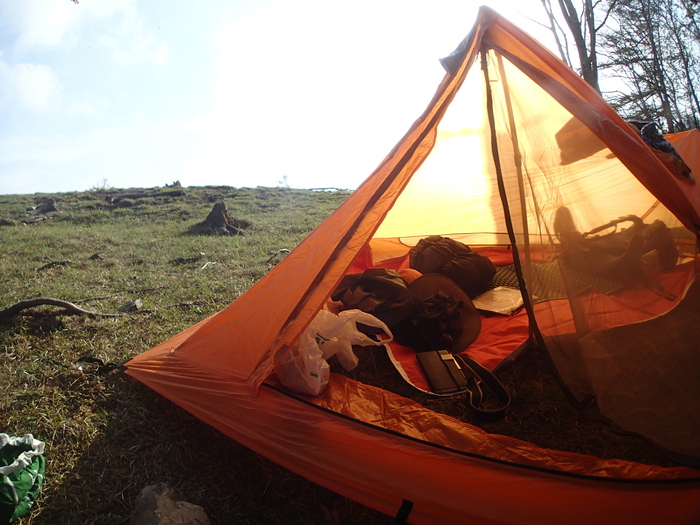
x=70, y=307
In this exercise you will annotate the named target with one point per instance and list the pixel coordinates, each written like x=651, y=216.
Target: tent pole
x=504, y=200
x=534, y=330
x=517, y=159
x=576, y=308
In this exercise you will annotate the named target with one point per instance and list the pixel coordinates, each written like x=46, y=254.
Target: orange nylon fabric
x=448, y=480
x=444, y=166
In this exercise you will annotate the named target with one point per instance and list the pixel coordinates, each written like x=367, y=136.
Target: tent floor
x=540, y=413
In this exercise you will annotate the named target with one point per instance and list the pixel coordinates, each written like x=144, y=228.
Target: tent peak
x=485, y=17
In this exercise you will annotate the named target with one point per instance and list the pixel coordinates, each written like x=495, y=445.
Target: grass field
x=108, y=436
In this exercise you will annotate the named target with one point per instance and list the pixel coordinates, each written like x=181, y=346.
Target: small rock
x=161, y=505
x=5, y=222
x=131, y=306
x=47, y=206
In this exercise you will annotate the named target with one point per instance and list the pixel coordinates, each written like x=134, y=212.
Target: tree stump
x=221, y=222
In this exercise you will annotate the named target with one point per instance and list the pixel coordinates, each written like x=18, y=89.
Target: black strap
x=404, y=511
x=636, y=221
x=474, y=372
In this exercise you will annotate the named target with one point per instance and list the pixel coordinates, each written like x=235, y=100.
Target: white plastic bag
x=304, y=369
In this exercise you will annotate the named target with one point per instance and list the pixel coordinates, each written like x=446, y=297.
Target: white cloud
x=135, y=48
x=38, y=25
x=129, y=41
x=37, y=87
x=313, y=90
x=86, y=108
x=32, y=79
x=32, y=86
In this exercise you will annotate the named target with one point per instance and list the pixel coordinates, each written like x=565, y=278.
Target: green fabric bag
x=21, y=475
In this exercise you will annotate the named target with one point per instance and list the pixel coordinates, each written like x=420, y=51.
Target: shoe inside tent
x=511, y=136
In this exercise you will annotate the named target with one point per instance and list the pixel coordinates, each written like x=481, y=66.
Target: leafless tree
x=652, y=49
x=584, y=23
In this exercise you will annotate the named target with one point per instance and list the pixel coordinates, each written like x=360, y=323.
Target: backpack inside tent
x=518, y=158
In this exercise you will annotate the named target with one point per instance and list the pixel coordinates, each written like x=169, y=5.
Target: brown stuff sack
x=377, y=291
x=620, y=255
x=472, y=271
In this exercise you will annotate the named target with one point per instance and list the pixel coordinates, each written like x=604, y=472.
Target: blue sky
x=141, y=93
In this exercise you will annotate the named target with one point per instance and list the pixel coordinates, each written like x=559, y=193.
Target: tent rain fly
x=511, y=137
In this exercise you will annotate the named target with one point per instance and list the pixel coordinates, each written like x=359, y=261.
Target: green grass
x=108, y=436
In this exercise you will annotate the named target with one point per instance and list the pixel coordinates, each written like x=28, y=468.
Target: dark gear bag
x=619, y=255
x=377, y=291
x=472, y=271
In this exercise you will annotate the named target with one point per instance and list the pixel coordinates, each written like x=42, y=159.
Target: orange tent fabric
x=381, y=449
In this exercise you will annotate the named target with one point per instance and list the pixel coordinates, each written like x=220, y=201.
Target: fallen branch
x=52, y=264
x=281, y=250
x=70, y=307
x=186, y=260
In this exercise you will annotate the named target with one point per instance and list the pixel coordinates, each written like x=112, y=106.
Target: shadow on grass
x=146, y=440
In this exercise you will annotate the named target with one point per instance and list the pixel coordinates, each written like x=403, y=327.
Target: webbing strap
x=404, y=511
x=474, y=371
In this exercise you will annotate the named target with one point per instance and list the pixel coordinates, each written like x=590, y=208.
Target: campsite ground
x=108, y=436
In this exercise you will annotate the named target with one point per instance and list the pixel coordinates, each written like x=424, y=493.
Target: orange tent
x=488, y=163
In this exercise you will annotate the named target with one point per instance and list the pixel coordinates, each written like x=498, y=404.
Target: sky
x=243, y=93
